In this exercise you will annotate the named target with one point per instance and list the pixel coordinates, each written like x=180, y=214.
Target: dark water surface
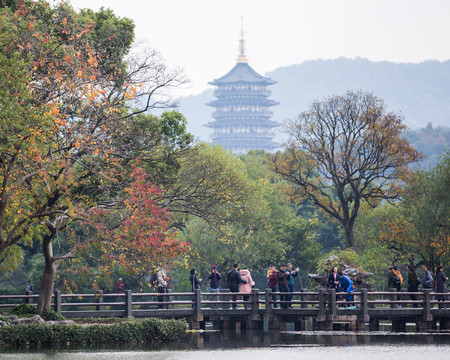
x=248, y=345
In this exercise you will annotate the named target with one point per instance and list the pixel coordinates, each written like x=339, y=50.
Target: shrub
x=99, y=320
x=148, y=330
x=24, y=310
x=52, y=315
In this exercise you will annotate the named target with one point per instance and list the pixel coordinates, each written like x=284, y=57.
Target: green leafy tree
x=421, y=233
x=267, y=231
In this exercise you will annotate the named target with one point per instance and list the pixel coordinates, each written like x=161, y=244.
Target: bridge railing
x=321, y=302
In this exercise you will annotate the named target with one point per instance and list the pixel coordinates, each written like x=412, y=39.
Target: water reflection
x=248, y=345
x=231, y=339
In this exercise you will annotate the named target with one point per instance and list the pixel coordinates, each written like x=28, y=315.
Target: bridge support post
x=196, y=320
x=425, y=323
x=218, y=324
x=444, y=325
x=300, y=325
x=271, y=322
x=374, y=324
x=398, y=325
x=364, y=311
x=58, y=301
x=254, y=320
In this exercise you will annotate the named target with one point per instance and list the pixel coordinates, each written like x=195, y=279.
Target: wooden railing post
x=128, y=304
x=427, y=304
x=322, y=305
x=332, y=301
x=99, y=299
x=304, y=298
x=364, y=304
x=169, y=299
x=268, y=298
x=58, y=301
x=255, y=303
x=197, y=302
x=29, y=300
x=392, y=297
x=224, y=296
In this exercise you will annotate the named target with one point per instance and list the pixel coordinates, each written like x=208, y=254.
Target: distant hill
x=432, y=141
x=421, y=92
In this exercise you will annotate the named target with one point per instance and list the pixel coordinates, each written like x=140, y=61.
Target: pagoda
x=242, y=116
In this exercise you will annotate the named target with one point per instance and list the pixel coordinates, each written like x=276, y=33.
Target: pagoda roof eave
x=242, y=72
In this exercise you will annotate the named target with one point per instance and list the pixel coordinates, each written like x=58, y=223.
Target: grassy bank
x=131, y=331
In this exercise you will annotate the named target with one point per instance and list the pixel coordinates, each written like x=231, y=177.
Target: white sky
x=201, y=36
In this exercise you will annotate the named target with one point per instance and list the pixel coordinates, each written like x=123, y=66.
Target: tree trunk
x=349, y=238
x=48, y=276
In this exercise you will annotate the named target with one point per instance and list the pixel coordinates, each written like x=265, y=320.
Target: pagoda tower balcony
x=260, y=93
x=241, y=114
x=242, y=136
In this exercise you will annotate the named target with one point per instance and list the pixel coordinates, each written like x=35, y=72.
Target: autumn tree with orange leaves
x=66, y=90
x=421, y=232
x=134, y=238
x=343, y=151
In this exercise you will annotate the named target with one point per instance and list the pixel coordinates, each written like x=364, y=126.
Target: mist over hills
x=420, y=92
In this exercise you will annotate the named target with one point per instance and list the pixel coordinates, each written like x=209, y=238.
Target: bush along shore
x=150, y=330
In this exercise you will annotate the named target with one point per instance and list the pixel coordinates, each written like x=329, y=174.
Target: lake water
x=251, y=345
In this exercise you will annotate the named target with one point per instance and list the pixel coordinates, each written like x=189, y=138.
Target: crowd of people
x=240, y=281
x=281, y=281
x=437, y=284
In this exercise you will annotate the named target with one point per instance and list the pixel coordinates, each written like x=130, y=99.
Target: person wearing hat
x=214, y=280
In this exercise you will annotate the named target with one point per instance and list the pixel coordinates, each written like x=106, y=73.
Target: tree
x=263, y=228
x=133, y=239
x=421, y=232
x=343, y=151
x=63, y=107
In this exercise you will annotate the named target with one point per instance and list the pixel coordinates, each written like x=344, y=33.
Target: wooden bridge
x=326, y=309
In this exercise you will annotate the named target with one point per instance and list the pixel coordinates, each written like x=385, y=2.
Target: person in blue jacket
x=427, y=282
x=346, y=282
x=293, y=274
x=351, y=294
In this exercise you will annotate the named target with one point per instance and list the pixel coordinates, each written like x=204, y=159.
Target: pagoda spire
x=242, y=58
